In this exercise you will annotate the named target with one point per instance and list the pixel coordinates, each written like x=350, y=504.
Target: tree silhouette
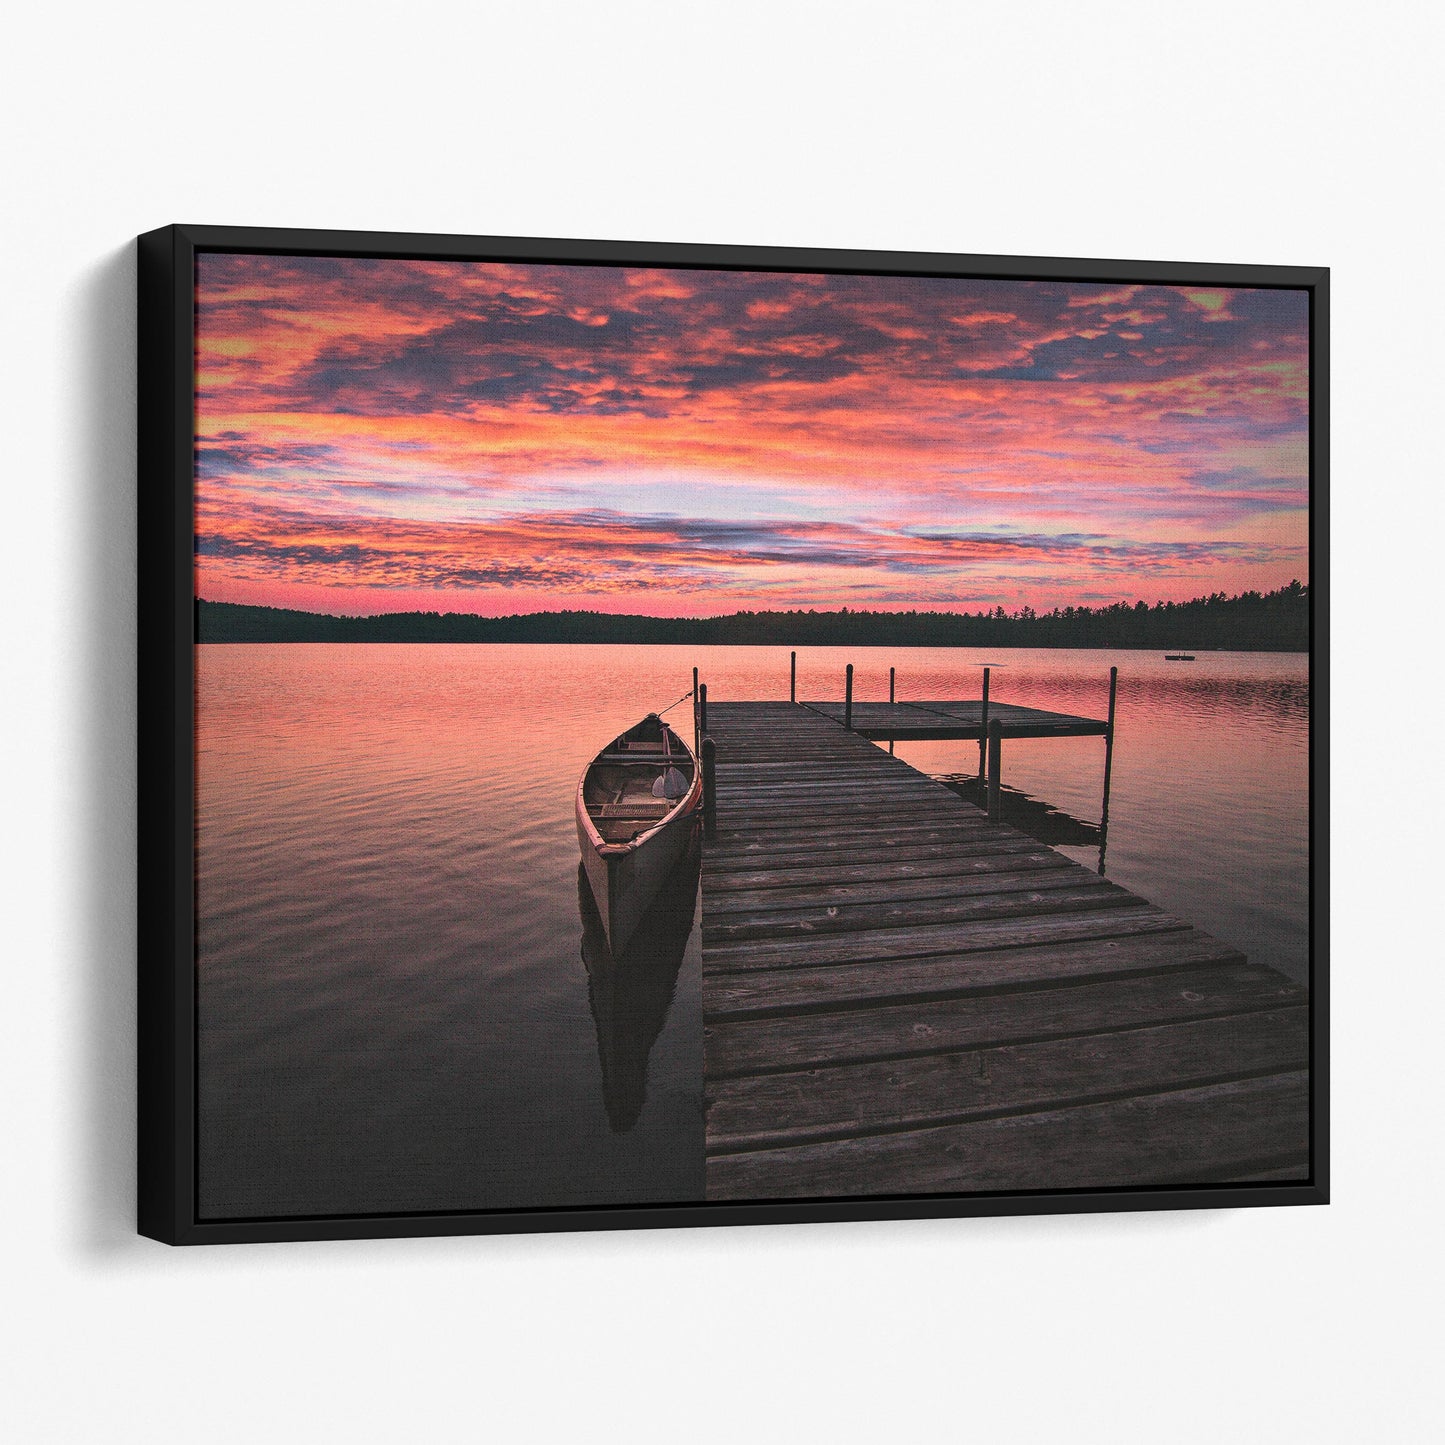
x=1276, y=621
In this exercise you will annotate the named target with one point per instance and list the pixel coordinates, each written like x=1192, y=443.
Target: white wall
x=1300, y=133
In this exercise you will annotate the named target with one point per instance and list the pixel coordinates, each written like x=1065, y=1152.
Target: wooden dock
x=902, y=998
x=903, y=721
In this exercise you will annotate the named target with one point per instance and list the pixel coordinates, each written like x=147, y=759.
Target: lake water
x=395, y=1010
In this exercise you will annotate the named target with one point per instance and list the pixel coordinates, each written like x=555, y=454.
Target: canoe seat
x=679, y=760
x=635, y=809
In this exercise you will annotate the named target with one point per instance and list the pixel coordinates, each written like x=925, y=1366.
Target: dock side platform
x=902, y=998
x=901, y=721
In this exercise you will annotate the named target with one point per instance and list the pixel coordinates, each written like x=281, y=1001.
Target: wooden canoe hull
x=626, y=877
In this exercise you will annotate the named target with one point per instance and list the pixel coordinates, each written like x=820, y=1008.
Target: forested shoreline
x=1250, y=622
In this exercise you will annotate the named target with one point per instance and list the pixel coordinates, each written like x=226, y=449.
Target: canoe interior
x=617, y=790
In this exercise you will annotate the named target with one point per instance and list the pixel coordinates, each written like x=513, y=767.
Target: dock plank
x=890, y=945
x=1059, y=891
x=755, y=993
x=1181, y=976
x=990, y=874
x=930, y=861
x=876, y=834
x=1189, y=1136
x=845, y=1100
x=731, y=852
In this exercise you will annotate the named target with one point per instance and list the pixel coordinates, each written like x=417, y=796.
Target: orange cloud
x=382, y=426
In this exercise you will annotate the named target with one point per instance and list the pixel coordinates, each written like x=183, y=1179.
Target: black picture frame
x=167, y=1064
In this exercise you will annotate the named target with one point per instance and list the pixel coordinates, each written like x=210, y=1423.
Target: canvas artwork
x=676, y=732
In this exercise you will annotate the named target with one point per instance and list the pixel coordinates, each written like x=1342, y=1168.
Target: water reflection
x=386, y=887
x=631, y=993
x=1036, y=817
x=1286, y=699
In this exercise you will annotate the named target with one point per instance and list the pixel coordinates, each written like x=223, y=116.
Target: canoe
x=1178, y=657
x=637, y=809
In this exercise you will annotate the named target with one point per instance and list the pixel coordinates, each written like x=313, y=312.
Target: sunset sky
x=383, y=436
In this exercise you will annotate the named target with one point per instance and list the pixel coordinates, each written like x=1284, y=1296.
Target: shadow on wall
x=102, y=320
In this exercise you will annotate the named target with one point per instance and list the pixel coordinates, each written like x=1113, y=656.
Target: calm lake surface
x=395, y=1011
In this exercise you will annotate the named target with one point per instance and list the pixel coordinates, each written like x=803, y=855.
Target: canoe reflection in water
x=631, y=994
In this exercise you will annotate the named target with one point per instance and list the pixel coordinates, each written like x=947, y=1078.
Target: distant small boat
x=637, y=806
x=1178, y=657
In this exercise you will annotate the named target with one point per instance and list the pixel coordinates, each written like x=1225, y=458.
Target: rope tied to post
x=672, y=705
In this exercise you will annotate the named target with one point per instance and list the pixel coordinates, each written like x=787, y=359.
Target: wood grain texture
x=1125, y=919
x=842, y=1100
x=754, y=1029
x=1190, y=1136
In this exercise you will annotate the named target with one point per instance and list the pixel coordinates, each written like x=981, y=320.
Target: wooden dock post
x=696, y=730
x=793, y=679
x=702, y=708
x=848, y=698
x=1108, y=766
x=709, y=788
x=995, y=769
x=983, y=725
x=891, y=673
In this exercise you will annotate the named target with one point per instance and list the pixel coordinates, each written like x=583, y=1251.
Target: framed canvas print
x=652, y=734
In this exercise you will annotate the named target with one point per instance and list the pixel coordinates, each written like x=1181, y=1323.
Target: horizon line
x=1304, y=587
